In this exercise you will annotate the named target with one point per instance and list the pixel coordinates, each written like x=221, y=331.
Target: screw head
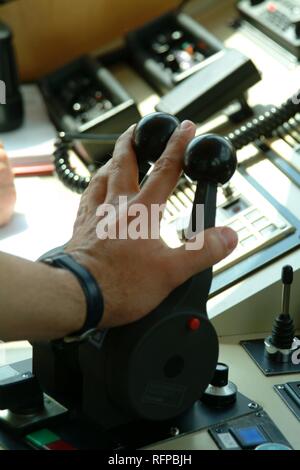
x=174, y=431
x=252, y=405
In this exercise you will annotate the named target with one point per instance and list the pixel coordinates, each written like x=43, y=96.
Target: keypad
x=257, y=223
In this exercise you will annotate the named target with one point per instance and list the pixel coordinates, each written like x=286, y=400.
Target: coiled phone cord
x=65, y=171
x=265, y=124
x=262, y=126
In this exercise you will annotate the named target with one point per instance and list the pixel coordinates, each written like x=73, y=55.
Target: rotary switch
x=220, y=393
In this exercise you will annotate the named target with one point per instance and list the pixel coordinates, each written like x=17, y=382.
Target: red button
x=194, y=324
x=189, y=49
x=60, y=445
x=271, y=7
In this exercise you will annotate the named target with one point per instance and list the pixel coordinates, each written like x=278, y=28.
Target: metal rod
x=206, y=194
x=286, y=291
x=99, y=138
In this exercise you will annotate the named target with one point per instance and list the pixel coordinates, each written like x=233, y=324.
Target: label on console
x=163, y=393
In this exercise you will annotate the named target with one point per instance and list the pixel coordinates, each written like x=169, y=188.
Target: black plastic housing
x=113, y=121
x=226, y=78
x=286, y=33
x=138, y=48
x=11, y=111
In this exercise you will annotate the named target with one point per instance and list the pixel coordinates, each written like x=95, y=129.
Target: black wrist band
x=90, y=287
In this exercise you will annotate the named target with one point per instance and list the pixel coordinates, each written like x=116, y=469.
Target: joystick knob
x=220, y=379
x=210, y=158
x=151, y=136
x=281, y=344
x=220, y=393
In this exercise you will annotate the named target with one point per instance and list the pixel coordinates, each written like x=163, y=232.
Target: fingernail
x=186, y=125
x=229, y=237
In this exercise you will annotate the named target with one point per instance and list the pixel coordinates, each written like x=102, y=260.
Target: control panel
x=147, y=385
x=240, y=206
x=234, y=421
x=170, y=49
x=278, y=19
x=84, y=96
x=177, y=53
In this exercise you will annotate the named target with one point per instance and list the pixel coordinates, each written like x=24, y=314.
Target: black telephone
x=92, y=108
x=84, y=97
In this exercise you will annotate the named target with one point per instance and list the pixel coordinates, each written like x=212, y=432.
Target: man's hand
x=7, y=189
x=136, y=275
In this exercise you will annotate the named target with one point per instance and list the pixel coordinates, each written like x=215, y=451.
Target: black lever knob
x=21, y=393
x=221, y=392
x=220, y=379
x=210, y=158
x=151, y=136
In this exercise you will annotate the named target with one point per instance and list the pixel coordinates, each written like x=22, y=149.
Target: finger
x=96, y=192
x=3, y=155
x=5, y=168
x=123, y=173
x=167, y=169
x=218, y=242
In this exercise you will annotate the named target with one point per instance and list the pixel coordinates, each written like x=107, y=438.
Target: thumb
x=207, y=249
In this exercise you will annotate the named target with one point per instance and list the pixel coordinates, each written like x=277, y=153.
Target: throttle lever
x=209, y=160
x=150, y=139
x=152, y=369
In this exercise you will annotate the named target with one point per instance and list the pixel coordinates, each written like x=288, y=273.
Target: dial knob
x=210, y=158
x=151, y=136
x=220, y=379
x=220, y=393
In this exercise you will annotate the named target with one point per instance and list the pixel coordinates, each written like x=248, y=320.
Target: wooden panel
x=50, y=32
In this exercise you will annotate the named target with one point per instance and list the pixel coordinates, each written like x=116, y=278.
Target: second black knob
x=221, y=392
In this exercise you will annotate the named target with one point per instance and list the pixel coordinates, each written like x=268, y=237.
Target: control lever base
x=256, y=350
x=18, y=423
x=277, y=354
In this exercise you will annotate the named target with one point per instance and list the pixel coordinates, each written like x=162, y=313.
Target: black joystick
x=210, y=160
x=150, y=369
x=220, y=393
x=151, y=136
x=282, y=343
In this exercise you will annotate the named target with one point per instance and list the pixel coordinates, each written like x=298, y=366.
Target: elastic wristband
x=90, y=287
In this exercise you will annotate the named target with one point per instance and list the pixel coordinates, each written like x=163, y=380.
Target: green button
x=42, y=437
